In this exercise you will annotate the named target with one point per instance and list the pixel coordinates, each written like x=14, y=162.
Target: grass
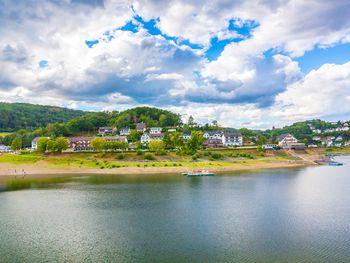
x=131, y=159
x=3, y=134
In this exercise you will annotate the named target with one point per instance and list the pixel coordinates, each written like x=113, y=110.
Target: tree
x=97, y=144
x=190, y=121
x=261, y=139
x=16, y=144
x=42, y=144
x=62, y=144
x=195, y=142
x=57, y=145
x=173, y=140
x=156, y=146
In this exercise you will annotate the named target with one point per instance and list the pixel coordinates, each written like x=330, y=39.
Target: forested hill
x=15, y=116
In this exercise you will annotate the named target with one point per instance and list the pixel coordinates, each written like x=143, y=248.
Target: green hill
x=15, y=116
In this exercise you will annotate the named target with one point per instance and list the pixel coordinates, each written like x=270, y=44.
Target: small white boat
x=199, y=173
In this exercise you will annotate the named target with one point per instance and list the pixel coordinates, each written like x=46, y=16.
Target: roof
x=156, y=135
x=76, y=139
x=232, y=135
x=140, y=125
x=214, y=132
x=115, y=138
x=282, y=136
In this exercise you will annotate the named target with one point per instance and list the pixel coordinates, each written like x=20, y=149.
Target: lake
x=290, y=215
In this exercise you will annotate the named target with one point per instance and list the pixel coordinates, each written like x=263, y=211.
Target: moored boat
x=199, y=173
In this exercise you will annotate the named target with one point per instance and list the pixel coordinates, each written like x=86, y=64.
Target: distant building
x=5, y=149
x=155, y=130
x=116, y=138
x=80, y=143
x=213, y=143
x=213, y=135
x=172, y=130
x=35, y=143
x=146, y=138
x=141, y=127
x=232, y=139
x=186, y=136
x=124, y=131
x=269, y=146
x=106, y=130
x=286, y=140
x=316, y=138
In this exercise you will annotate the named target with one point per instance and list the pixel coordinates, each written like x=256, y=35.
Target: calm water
x=298, y=215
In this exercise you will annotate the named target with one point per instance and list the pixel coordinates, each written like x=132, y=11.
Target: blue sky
x=256, y=64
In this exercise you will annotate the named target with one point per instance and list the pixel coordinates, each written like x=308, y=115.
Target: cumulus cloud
x=93, y=61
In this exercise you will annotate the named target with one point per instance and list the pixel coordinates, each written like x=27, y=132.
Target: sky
x=252, y=63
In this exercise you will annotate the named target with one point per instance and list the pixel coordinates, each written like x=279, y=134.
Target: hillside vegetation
x=15, y=116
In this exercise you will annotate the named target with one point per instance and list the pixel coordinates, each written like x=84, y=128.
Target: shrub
x=120, y=156
x=195, y=157
x=139, y=152
x=138, y=165
x=174, y=164
x=216, y=156
x=162, y=152
x=149, y=156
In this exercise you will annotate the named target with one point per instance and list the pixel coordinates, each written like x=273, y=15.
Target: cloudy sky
x=252, y=63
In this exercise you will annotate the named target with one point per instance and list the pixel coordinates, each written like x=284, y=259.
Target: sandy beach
x=39, y=169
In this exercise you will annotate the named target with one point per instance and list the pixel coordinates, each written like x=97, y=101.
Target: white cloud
x=322, y=92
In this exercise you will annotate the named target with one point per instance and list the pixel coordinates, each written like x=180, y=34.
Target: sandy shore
x=41, y=170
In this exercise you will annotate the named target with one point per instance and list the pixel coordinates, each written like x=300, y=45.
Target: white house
x=286, y=140
x=213, y=135
x=316, y=138
x=4, y=148
x=124, y=131
x=35, y=143
x=155, y=130
x=146, y=138
x=172, y=130
x=232, y=139
x=186, y=136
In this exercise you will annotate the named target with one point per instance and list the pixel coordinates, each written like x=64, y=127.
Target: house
x=286, y=140
x=316, y=138
x=146, y=138
x=232, y=139
x=155, y=130
x=5, y=149
x=35, y=143
x=312, y=146
x=213, y=143
x=339, y=139
x=141, y=127
x=124, y=131
x=116, y=138
x=172, y=130
x=213, y=135
x=186, y=136
x=80, y=143
x=269, y=146
x=347, y=144
x=106, y=130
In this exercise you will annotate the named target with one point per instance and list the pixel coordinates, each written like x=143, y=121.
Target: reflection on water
x=297, y=215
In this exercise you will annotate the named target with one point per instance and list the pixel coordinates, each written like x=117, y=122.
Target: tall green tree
x=16, y=143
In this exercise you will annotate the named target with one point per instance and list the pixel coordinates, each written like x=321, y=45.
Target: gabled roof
x=282, y=136
x=141, y=125
x=232, y=135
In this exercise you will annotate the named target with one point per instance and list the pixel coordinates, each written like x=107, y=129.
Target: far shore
x=12, y=171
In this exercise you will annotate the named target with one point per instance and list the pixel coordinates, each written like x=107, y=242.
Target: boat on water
x=199, y=173
x=334, y=164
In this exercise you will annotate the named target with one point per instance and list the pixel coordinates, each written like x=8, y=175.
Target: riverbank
x=36, y=165
x=42, y=169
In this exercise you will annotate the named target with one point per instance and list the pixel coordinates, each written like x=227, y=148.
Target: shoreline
x=7, y=171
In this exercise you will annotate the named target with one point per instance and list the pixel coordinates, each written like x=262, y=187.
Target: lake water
x=293, y=215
